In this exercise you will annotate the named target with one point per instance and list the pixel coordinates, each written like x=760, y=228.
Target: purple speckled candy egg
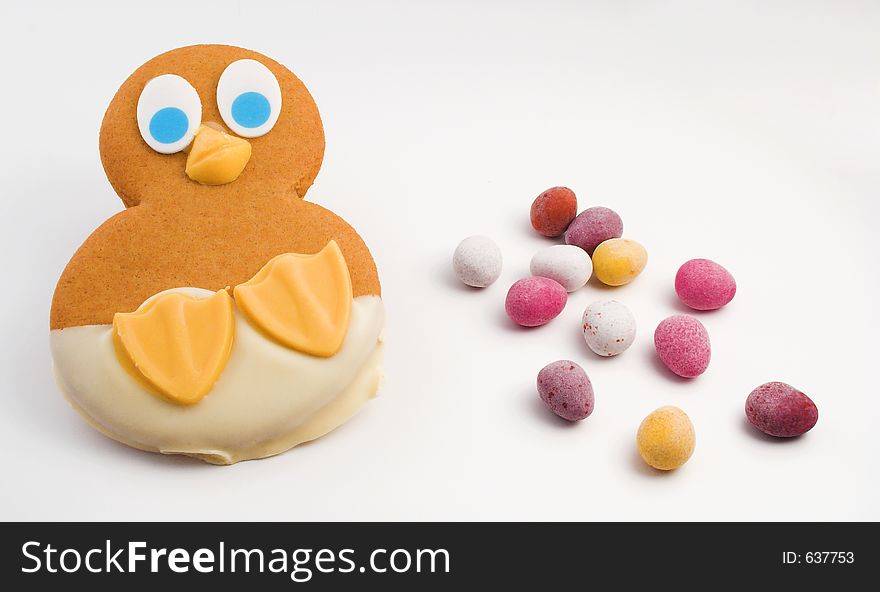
x=780, y=410
x=535, y=301
x=682, y=343
x=592, y=227
x=566, y=390
x=704, y=285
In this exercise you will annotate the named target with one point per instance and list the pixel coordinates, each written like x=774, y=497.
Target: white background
x=745, y=131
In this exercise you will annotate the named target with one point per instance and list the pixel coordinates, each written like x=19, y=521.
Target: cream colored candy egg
x=609, y=327
x=477, y=261
x=566, y=264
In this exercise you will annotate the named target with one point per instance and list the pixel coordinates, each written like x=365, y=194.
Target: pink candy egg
x=682, y=343
x=704, y=285
x=566, y=390
x=780, y=410
x=535, y=301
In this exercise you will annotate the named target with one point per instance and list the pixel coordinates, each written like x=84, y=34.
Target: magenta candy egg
x=682, y=343
x=780, y=410
x=566, y=390
x=592, y=227
x=535, y=301
x=704, y=285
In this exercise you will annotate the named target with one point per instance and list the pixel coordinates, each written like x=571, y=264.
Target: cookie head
x=211, y=122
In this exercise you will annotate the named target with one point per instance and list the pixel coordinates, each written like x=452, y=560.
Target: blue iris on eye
x=251, y=109
x=169, y=125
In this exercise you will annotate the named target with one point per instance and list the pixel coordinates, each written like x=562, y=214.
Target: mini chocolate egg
x=592, y=227
x=553, y=210
x=535, y=301
x=666, y=438
x=609, y=327
x=682, y=343
x=780, y=410
x=704, y=285
x=566, y=390
x=477, y=261
x=618, y=261
x=566, y=264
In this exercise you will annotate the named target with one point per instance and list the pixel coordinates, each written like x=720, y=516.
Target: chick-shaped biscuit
x=211, y=149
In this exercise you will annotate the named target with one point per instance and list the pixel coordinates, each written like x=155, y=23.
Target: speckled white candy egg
x=567, y=264
x=477, y=261
x=609, y=327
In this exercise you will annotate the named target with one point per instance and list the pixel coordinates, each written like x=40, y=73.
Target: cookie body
x=219, y=315
x=148, y=249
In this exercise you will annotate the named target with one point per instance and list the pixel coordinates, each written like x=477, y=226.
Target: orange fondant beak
x=216, y=157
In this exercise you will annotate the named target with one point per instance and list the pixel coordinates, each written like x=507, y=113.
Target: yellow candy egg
x=618, y=261
x=666, y=438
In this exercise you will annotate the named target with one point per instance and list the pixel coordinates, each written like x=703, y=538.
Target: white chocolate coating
x=268, y=398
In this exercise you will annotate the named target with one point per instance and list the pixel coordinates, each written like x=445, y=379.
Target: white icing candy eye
x=249, y=98
x=169, y=112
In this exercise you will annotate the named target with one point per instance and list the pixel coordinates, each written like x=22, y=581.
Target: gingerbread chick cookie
x=219, y=315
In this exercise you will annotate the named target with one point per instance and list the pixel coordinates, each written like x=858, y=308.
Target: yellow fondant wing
x=177, y=343
x=301, y=301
